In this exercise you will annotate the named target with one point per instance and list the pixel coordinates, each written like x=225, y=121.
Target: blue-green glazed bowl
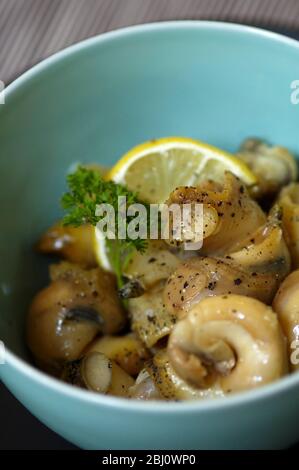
x=91, y=103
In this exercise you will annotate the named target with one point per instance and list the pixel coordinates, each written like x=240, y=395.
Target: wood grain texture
x=31, y=30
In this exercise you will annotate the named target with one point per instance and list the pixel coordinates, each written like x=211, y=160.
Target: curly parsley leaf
x=87, y=190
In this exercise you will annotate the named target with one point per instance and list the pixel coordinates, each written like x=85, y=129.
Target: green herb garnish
x=87, y=190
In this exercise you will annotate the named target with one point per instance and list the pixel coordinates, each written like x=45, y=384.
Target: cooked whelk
x=94, y=286
x=145, y=388
x=232, y=342
x=65, y=316
x=286, y=305
x=150, y=320
x=171, y=386
x=153, y=266
x=75, y=244
x=127, y=351
x=92, y=371
x=95, y=372
x=274, y=166
x=288, y=200
x=229, y=213
x=255, y=270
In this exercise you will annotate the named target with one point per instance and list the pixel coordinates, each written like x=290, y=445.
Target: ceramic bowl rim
x=18, y=364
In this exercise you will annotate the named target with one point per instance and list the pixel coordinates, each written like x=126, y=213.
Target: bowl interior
x=96, y=100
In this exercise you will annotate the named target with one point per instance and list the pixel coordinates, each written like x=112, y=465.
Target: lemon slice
x=101, y=251
x=155, y=168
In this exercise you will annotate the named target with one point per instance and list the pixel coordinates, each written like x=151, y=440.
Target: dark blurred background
x=31, y=30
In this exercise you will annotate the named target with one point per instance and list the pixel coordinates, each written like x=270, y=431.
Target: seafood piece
x=149, y=318
x=286, y=305
x=144, y=388
x=67, y=315
x=274, y=166
x=233, y=342
x=288, y=200
x=127, y=351
x=75, y=244
x=255, y=270
x=153, y=266
x=229, y=213
x=97, y=289
x=170, y=386
x=97, y=373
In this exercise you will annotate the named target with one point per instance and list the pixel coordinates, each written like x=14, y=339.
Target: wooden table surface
x=31, y=30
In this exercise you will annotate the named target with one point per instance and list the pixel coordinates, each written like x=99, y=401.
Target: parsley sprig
x=87, y=189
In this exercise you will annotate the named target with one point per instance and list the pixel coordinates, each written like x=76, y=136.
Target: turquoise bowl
x=91, y=103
